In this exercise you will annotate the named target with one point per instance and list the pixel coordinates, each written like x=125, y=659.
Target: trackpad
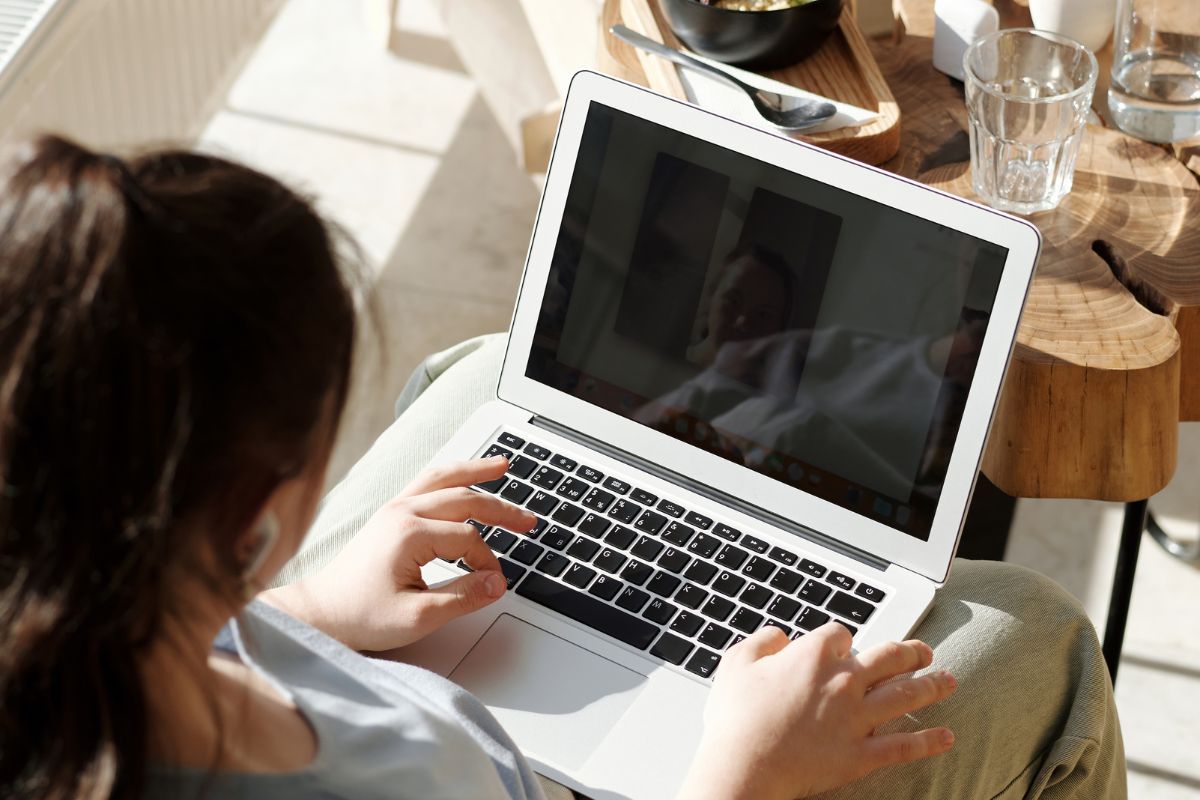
x=556, y=699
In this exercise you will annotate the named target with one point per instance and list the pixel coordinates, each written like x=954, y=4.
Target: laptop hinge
x=716, y=495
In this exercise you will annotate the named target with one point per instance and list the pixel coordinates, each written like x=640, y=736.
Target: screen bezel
x=930, y=557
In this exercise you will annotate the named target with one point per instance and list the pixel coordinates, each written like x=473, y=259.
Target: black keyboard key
x=783, y=556
x=663, y=584
x=497, y=450
x=704, y=545
x=674, y=560
x=522, y=467
x=493, y=486
x=842, y=581
x=526, y=552
x=670, y=509
x=714, y=636
x=537, y=451
x=718, y=608
x=632, y=599
x=853, y=630
x=598, y=499
x=731, y=557
x=579, y=576
x=671, y=648
x=727, y=533
x=591, y=612
x=644, y=497
x=510, y=440
x=786, y=581
x=746, y=620
x=774, y=623
x=583, y=548
x=704, y=663
x=737, y=637
x=553, y=563
x=512, y=572
x=699, y=520
x=650, y=522
x=594, y=525
x=759, y=568
x=647, y=548
x=624, y=511
x=815, y=593
x=610, y=561
x=546, y=477
x=700, y=572
x=563, y=463
x=614, y=485
x=678, y=534
x=869, y=592
x=573, y=489
x=728, y=584
x=850, y=607
x=542, y=504
x=756, y=595
x=810, y=619
x=620, y=537
x=659, y=611
x=516, y=492
x=479, y=526
x=557, y=537
x=589, y=474
x=605, y=587
x=691, y=596
x=812, y=568
x=567, y=514
x=636, y=572
x=687, y=623
x=784, y=608
x=464, y=565
x=796, y=635
x=538, y=527
x=501, y=540
x=757, y=545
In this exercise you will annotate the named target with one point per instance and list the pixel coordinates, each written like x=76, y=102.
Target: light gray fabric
x=1034, y=714
x=384, y=730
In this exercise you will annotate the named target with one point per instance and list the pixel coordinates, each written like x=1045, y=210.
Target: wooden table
x=1107, y=361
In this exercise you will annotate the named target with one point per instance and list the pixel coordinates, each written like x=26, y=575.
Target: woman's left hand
x=372, y=597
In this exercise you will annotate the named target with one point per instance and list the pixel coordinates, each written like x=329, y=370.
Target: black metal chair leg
x=1187, y=553
x=1118, y=607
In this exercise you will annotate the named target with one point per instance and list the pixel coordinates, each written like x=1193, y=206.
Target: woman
x=175, y=346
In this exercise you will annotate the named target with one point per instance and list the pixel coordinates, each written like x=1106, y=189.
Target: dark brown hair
x=172, y=331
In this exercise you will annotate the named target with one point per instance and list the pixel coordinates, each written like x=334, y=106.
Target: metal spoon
x=786, y=111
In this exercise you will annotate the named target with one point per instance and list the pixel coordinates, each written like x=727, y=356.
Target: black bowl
x=758, y=40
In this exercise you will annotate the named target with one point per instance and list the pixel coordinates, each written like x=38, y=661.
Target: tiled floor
x=404, y=153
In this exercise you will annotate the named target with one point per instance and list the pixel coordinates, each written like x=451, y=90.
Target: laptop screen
x=814, y=336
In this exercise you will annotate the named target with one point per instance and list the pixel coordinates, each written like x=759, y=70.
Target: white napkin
x=723, y=98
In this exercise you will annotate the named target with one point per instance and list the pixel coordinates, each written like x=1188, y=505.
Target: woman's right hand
x=791, y=719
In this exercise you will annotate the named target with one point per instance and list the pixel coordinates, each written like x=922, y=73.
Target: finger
x=450, y=600
x=889, y=659
x=833, y=638
x=430, y=539
x=892, y=700
x=458, y=473
x=900, y=748
x=460, y=504
x=766, y=641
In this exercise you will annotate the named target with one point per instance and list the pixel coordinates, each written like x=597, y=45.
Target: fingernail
x=950, y=680
x=947, y=738
x=495, y=585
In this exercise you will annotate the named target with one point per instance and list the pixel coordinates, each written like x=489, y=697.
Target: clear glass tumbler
x=1028, y=95
x=1155, y=91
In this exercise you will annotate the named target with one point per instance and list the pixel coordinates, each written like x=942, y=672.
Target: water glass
x=1155, y=90
x=1028, y=95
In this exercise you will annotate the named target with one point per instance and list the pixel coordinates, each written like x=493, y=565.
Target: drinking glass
x=1028, y=95
x=1155, y=90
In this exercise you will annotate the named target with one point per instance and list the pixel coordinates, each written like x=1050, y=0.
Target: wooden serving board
x=842, y=69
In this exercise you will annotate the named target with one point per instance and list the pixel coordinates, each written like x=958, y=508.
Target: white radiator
x=121, y=73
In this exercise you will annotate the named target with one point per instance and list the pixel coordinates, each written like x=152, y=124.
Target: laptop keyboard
x=651, y=573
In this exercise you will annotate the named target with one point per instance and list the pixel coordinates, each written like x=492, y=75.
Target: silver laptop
x=748, y=382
